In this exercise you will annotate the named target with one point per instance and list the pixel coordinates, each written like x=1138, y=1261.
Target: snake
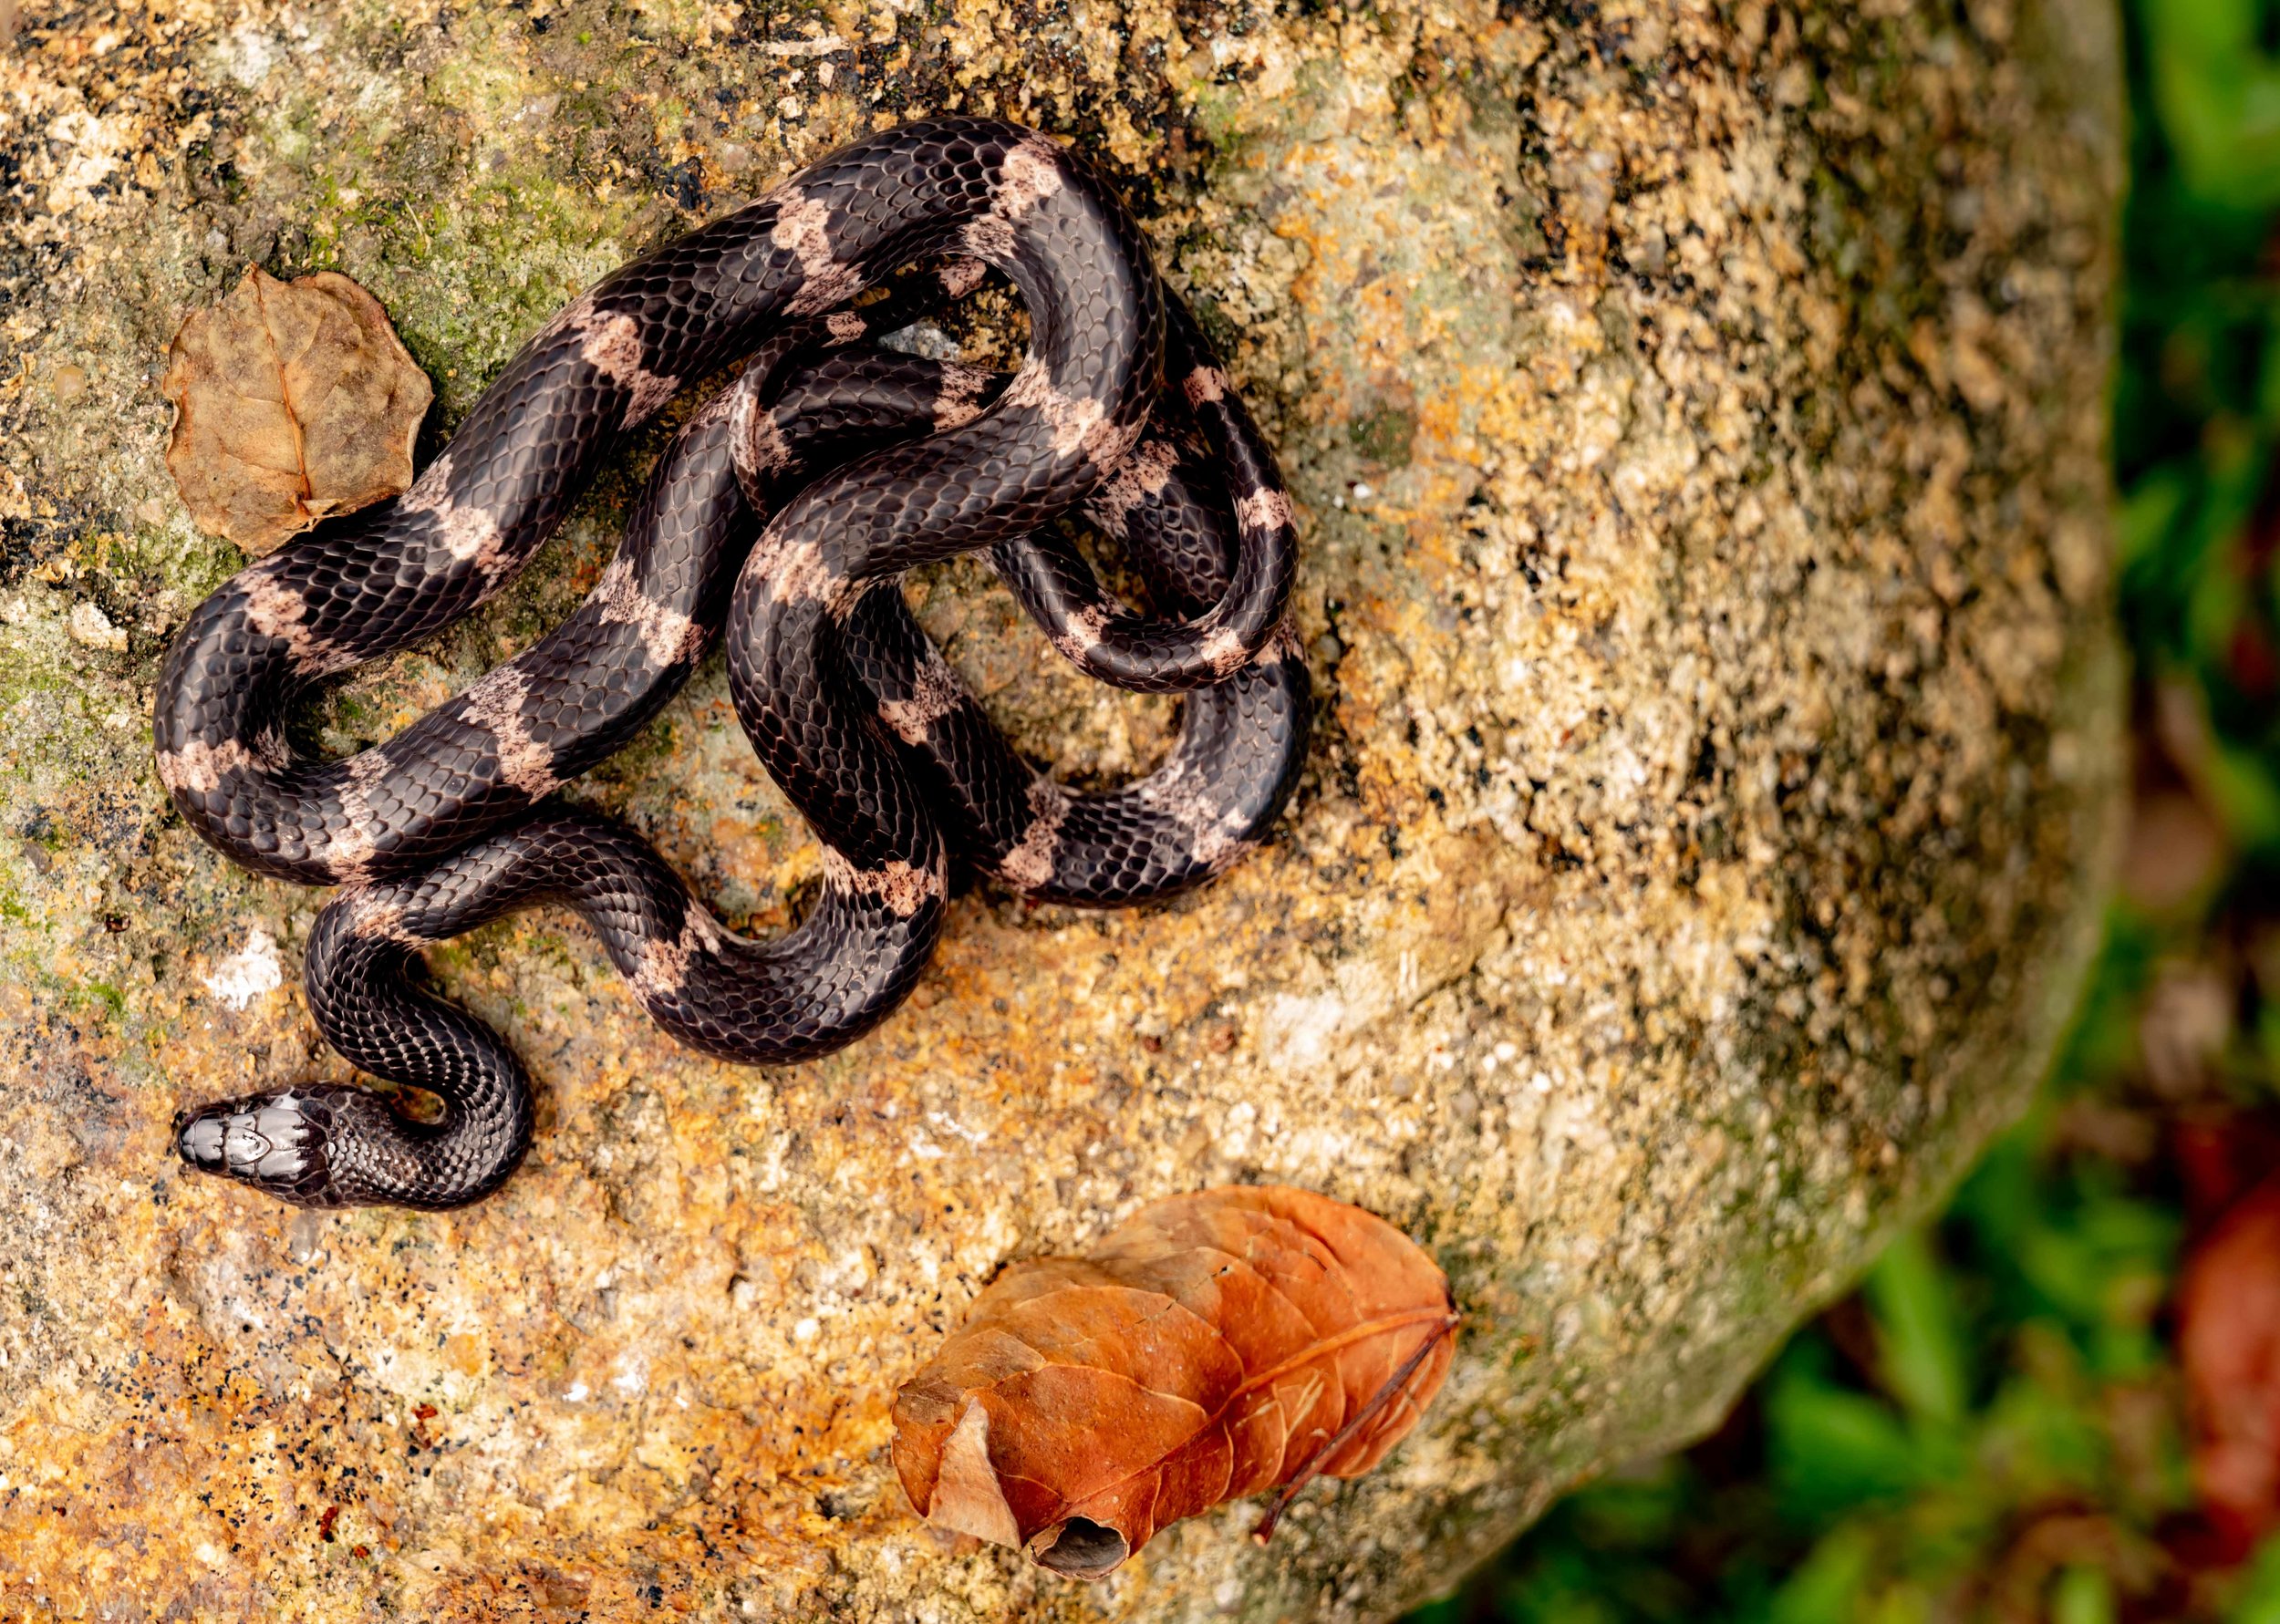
x=778, y=523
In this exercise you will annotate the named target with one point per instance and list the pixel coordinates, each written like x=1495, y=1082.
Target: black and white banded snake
x=830, y=468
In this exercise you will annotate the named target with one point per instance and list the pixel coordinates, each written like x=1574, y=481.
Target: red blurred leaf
x=2251, y=663
x=1212, y=1346
x=2228, y=1343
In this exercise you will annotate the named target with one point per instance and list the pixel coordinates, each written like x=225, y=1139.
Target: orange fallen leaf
x=1212, y=1346
x=293, y=401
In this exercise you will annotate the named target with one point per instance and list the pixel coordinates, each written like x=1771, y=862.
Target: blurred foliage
x=1995, y=1426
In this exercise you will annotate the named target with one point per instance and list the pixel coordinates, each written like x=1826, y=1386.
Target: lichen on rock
x=1695, y=413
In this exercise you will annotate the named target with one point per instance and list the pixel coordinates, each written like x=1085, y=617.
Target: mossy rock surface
x=1696, y=416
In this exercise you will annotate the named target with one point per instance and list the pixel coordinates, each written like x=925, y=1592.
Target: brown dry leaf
x=1212, y=1346
x=293, y=401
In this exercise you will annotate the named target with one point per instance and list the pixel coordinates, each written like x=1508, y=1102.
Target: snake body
x=829, y=469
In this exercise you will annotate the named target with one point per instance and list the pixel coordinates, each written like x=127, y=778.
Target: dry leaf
x=293, y=401
x=2228, y=1345
x=1212, y=1346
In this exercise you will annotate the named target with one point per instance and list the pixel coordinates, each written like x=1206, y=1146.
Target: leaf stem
x=1322, y=1451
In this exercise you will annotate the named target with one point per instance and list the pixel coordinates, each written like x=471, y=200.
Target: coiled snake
x=830, y=468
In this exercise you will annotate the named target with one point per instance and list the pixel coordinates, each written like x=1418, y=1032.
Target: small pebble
x=90, y=626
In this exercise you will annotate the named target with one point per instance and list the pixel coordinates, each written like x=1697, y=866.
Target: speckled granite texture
x=1695, y=413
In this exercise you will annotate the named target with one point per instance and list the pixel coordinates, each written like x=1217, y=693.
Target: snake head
x=276, y=1143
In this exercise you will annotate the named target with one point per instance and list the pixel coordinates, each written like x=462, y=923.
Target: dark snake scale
x=831, y=467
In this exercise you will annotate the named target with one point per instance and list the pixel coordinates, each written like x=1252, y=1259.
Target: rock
x=1696, y=415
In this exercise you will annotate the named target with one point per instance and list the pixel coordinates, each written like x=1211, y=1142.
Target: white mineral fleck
x=248, y=973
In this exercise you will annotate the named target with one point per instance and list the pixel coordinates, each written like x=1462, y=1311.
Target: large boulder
x=1696, y=416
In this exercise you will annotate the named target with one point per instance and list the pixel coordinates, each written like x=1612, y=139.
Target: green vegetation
x=1995, y=1426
